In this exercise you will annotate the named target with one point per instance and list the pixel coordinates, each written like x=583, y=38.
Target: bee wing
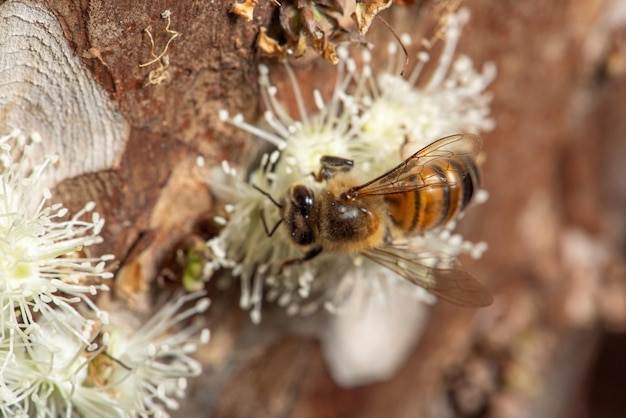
x=450, y=283
x=408, y=175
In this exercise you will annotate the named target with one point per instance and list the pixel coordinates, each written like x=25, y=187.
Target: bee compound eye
x=302, y=196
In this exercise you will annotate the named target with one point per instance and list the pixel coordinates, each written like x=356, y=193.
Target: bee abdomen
x=452, y=184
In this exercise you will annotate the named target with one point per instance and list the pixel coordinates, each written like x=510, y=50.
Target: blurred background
x=552, y=345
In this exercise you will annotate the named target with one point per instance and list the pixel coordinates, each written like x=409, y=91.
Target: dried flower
x=365, y=12
x=244, y=9
x=303, y=25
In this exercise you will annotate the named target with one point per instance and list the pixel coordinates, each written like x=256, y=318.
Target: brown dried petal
x=331, y=54
x=270, y=46
x=366, y=11
x=245, y=9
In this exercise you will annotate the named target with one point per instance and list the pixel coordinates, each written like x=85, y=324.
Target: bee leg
x=330, y=166
x=311, y=254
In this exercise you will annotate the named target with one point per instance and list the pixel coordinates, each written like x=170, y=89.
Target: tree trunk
x=554, y=221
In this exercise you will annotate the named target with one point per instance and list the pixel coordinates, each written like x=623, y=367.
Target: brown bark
x=553, y=170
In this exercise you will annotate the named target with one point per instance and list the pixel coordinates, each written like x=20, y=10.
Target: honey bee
x=426, y=191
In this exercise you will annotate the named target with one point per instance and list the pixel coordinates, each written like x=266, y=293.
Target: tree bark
x=554, y=220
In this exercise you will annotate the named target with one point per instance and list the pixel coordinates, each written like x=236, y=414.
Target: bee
x=424, y=192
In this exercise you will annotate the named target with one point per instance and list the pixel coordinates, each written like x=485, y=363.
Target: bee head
x=296, y=211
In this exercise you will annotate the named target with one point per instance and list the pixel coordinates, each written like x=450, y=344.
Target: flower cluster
x=60, y=354
x=376, y=120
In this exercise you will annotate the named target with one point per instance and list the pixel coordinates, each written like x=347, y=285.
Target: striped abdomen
x=452, y=182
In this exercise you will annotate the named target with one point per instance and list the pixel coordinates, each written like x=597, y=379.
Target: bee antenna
x=269, y=196
x=267, y=231
x=262, y=212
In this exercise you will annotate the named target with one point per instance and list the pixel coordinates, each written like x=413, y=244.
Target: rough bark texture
x=46, y=89
x=554, y=222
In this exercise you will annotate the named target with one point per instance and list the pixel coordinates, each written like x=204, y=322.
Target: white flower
x=59, y=355
x=146, y=367
x=134, y=371
x=300, y=144
x=419, y=110
x=46, y=378
x=42, y=271
x=369, y=118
